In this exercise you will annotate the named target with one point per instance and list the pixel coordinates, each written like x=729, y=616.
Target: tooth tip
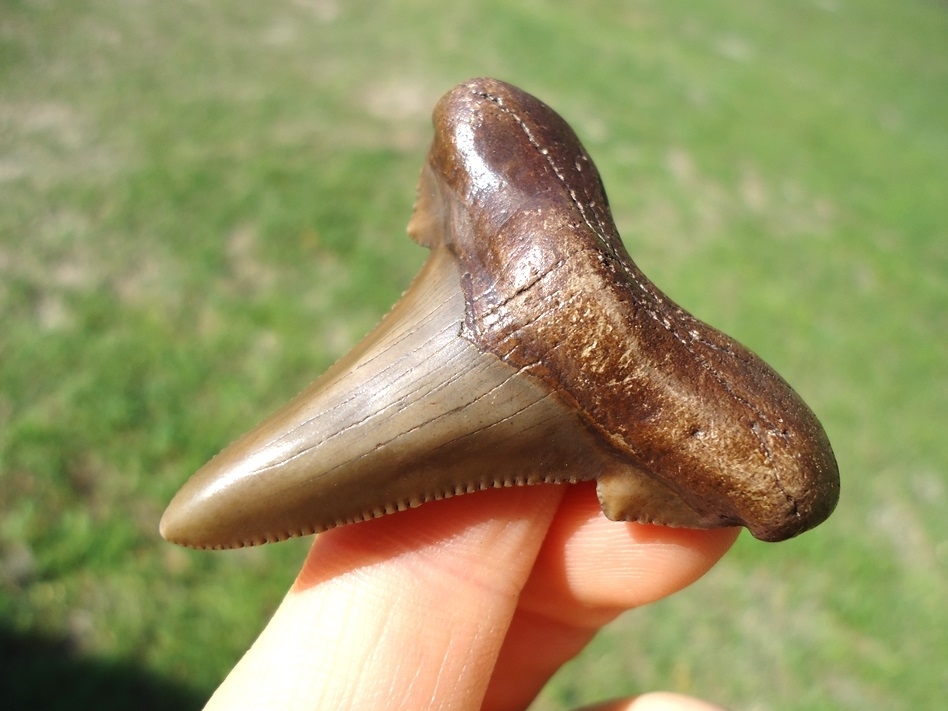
x=172, y=525
x=178, y=523
x=192, y=518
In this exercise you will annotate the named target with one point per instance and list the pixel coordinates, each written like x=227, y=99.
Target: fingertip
x=656, y=701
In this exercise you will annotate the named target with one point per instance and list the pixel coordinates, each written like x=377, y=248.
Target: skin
x=531, y=573
x=530, y=349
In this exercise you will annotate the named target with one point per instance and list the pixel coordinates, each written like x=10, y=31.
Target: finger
x=407, y=611
x=656, y=701
x=591, y=569
x=588, y=571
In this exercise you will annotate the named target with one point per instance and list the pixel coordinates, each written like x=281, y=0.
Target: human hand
x=467, y=603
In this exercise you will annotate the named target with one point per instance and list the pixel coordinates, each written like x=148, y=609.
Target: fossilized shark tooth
x=529, y=349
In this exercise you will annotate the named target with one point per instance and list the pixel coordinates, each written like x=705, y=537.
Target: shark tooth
x=529, y=349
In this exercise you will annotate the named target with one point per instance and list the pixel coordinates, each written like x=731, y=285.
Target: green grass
x=202, y=205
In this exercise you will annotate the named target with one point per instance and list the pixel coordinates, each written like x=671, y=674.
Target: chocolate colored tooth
x=529, y=349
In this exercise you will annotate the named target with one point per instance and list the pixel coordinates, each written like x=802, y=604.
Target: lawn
x=203, y=205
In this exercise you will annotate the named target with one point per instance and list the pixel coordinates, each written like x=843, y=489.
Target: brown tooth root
x=529, y=349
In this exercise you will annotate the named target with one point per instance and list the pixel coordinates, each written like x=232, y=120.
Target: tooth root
x=415, y=412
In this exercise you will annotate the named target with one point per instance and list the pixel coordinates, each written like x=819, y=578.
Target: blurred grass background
x=203, y=205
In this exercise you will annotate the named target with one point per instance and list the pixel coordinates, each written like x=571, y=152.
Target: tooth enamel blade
x=415, y=412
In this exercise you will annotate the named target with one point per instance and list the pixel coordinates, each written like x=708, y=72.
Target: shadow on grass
x=45, y=673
